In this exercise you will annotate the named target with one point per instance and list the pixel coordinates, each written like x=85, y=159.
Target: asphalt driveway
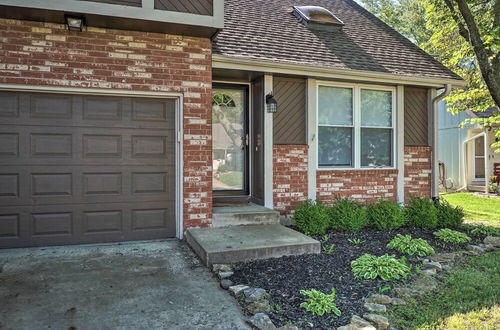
x=145, y=285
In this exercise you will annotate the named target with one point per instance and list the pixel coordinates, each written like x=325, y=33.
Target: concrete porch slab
x=243, y=243
x=244, y=215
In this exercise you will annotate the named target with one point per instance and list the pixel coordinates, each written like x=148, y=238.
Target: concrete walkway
x=145, y=285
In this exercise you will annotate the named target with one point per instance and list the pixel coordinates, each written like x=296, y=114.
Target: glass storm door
x=479, y=159
x=230, y=139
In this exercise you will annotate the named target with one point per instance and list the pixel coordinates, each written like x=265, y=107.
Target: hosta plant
x=482, y=230
x=319, y=303
x=452, y=236
x=386, y=267
x=412, y=246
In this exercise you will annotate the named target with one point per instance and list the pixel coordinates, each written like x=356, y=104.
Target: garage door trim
x=179, y=115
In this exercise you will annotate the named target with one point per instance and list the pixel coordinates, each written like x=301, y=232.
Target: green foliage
x=385, y=215
x=319, y=303
x=386, y=267
x=355, y=241
x=325, y=238
x=449, y=216
x=347, y=215
x=451, y=236
x=412, y=246
x=311, y=218
x=421, y=213
x=328, y=249
x=482, y=230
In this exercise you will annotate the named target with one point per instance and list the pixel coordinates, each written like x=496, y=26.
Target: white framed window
x=356, y=126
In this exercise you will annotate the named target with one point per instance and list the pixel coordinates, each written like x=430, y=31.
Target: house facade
x=134, y=124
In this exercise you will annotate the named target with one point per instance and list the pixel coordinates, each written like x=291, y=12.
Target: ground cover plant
x=451, y=236
x=421, y=213
x=412, y=246
x=320, y=303
x=482, y=230
x=469, y=298
x=477, y=209
x=347, y=215
x=385, y=215
x=386, y=267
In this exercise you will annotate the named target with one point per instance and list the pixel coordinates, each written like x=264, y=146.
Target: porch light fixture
x=271, y=104
x=74, y=23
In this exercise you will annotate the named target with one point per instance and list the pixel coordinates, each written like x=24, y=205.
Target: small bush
x=319, y=303
x=385, y=215
x=412, y=246
x=421, y=213
x=451, y=236
x=386, y=267
x=311, y=218
x=449, y=216
x=482, y=230
x=347, y=215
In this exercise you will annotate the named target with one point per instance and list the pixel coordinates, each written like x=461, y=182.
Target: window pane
x=335, y=146
x=376, y=147
x=376, y=108
x=335, y=106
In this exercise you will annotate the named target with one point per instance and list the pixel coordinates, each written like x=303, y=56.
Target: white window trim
x=357, y=125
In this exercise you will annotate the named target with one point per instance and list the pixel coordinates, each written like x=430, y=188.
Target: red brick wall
x=418, y=172
x=366, y=186
x=289, y=176
x=34, y=53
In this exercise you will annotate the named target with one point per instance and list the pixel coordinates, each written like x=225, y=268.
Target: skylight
x=317, y=17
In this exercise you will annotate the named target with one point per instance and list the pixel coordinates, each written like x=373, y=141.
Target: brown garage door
x=82, y=169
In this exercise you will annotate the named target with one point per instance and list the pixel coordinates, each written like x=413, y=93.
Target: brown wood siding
x=289, y=123
x=200, y=7
x=134, y=3
x=416, y=117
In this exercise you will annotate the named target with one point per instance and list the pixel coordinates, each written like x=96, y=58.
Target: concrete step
x=244, y=215
x=476, y=187
x=244, y=243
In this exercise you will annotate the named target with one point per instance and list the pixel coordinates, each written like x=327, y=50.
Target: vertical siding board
x=416, y=119
x=289, y=123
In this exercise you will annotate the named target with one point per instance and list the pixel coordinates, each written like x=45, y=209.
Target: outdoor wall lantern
x=271, y=104
x=74, y=23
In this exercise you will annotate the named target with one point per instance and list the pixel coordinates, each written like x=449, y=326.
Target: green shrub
x=451, y=236
x=311, y=218
x=412, y=246
x=319, y=303
x=347, y=215
x=482, y=230
x=421, y=213
x=385, y=215
x=386, y=267
x=449, y=216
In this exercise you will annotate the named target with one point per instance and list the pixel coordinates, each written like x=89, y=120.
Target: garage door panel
x=85, y=169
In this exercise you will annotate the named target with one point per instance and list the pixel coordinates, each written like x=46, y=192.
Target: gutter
x=435, y=134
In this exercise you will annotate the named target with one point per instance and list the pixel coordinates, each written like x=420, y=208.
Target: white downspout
x=435, y=133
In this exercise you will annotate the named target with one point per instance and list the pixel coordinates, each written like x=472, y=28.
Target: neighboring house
x=465, y=151
x=106, y=133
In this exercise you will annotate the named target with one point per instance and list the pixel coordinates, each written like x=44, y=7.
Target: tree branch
x=461, y=27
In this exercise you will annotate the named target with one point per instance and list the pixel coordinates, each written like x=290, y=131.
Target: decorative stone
x=425, y=283
x=447, y=268
x=289, y=327
x=407, y=292
x=225, y=284
x=381, y=321
x=356, y=327
x=488, y=247
x=379, y=299
x=262, y=322
x=431, y=271
x=361, y=323
x=217, y=268
x=223, y=275
x=443, y=258
x=476, y=248
x=259, y=306
x=237, y=289
x=376, y=308
x=429, y=264
x=492, y=240
x=255, y=294
x=398, y=301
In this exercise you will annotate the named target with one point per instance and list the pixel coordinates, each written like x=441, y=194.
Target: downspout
x=435, y=129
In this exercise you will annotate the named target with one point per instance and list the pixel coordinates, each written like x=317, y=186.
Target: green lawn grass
x=233, y=179
x=477, y=209
x=469, y=298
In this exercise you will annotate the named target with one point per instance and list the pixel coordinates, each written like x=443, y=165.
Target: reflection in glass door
x=230, y=139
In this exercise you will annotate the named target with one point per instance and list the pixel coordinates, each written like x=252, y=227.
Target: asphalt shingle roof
x=267, y=30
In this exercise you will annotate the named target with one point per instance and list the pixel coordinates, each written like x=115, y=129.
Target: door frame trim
x=250, y=123
x=179, y=128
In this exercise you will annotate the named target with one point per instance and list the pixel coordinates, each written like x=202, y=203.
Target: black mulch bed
x=284, y=277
